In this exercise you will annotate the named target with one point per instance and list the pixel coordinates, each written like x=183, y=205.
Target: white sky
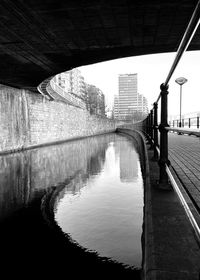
x=152, y=71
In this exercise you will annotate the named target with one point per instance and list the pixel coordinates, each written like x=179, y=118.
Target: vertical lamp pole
x=180, y=81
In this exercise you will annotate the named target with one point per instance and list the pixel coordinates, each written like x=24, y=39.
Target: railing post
x=197, y=122
x=189, y=122
x=148, y=124
x=163, y=180
x=151, y=128
x=144, y=125
x=155, y=129
x=151, y=118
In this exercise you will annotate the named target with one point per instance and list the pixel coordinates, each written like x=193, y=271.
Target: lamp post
x=180, y=81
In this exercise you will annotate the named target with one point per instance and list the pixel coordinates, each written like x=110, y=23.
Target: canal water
x=104, y=213
x=98, y=208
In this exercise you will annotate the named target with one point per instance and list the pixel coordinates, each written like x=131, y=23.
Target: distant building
x=142, y=105
x=63, y=80
x=77, y=82
x=116, y=107
x=71, y=81
x=128, y=101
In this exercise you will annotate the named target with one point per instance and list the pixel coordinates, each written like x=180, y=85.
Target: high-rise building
x=128, y=94
x=128, y=100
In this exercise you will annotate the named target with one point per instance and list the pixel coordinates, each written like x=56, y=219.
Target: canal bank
x=171, y=249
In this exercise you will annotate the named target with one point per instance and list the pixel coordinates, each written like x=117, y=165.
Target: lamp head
x=181, y=81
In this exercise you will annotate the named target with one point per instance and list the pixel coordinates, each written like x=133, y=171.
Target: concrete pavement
x=172, y=249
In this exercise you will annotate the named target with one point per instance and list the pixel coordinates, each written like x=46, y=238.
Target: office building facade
x=128, y=101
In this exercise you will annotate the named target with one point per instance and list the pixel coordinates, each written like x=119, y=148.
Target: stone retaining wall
x=29, y=120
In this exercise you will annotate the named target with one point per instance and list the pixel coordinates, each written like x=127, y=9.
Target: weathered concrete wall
x=28, y=119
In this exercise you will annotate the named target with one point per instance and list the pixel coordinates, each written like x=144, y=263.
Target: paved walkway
x=170, y=247
x=184, y=154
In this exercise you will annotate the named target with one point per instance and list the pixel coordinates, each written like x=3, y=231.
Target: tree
x=95, y=100
x=135, y=116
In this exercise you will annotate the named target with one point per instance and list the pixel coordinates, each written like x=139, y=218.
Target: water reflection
x=26, y=177
x=128, y=163
x=104, y=212
x=15, y=185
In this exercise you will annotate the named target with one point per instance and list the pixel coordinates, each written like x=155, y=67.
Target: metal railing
x=150, y=124
x=186, y=122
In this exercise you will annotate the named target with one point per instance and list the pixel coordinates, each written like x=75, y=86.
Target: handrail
x=187, y=37
x=189, y=131
x=150, y=125
x=186, y=122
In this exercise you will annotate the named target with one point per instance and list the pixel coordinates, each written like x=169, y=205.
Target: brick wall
x=27, y=119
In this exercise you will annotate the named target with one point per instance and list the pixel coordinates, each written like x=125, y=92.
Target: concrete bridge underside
x=39, y=38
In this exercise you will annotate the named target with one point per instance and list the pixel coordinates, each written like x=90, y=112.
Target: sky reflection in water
x=104, y=212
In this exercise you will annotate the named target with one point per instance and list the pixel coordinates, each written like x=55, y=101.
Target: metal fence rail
x=150, y=124
x=186, y=122
x=151, y=128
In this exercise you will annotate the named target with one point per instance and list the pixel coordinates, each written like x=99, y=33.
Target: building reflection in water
x=27, y=175
x=103, y=212
x=128, y=163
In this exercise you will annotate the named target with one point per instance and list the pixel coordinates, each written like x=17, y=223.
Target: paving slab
x=172, y=249
x=184, y=155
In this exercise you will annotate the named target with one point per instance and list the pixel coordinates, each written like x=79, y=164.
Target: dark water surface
x=102, y=173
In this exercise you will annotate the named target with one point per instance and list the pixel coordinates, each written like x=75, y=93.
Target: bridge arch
x=40, y=39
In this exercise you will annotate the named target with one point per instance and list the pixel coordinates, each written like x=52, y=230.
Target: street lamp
x=180, y=81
